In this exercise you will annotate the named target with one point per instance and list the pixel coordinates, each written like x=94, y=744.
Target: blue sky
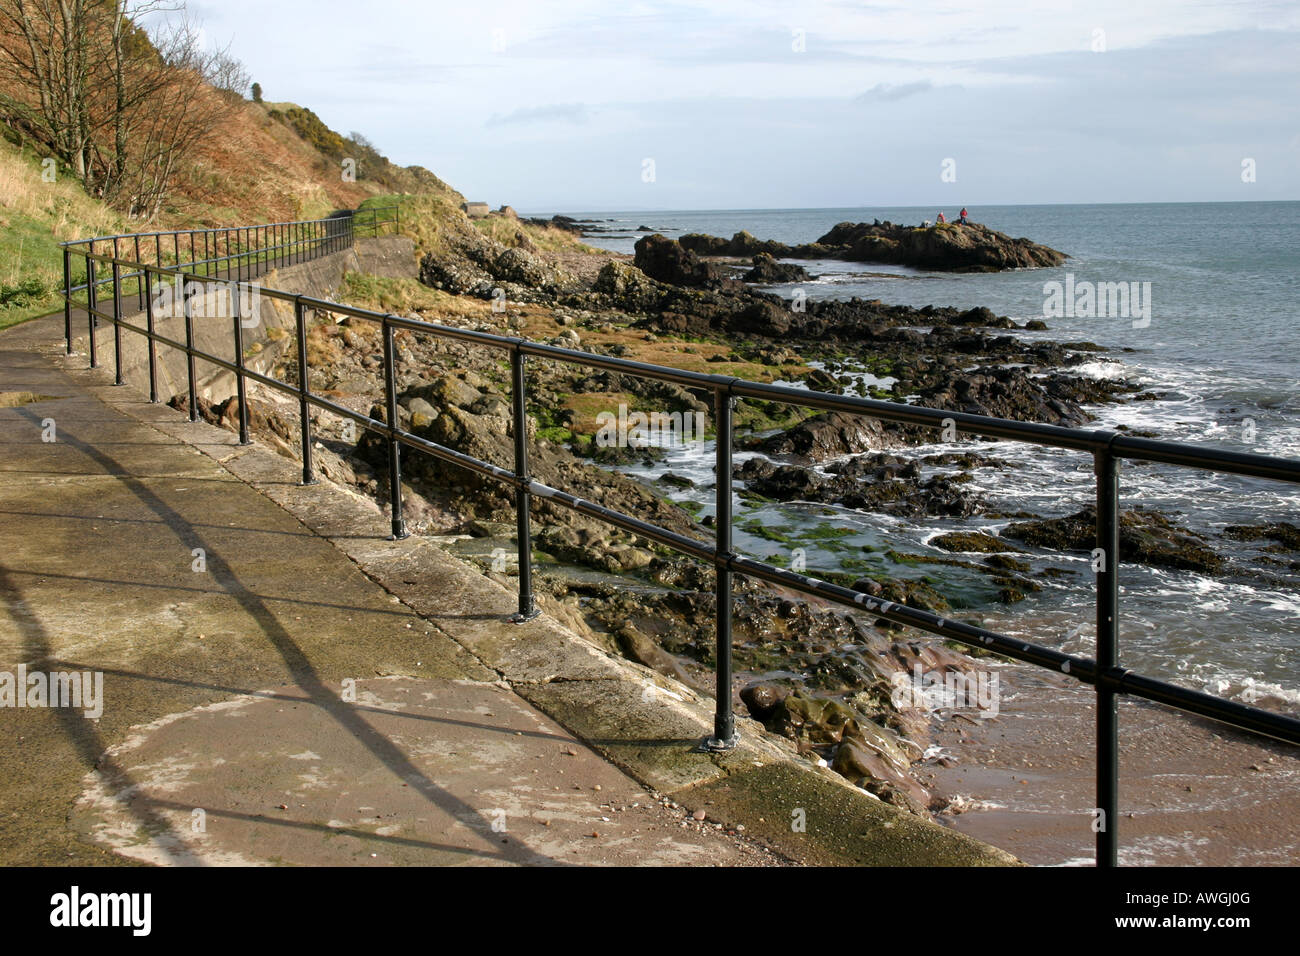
x=558, y=105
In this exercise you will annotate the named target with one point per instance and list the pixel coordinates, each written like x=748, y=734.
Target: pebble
x=699, y=814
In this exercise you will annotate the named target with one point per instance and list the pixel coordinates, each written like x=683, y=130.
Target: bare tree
x=121, y=106
x=45, y=56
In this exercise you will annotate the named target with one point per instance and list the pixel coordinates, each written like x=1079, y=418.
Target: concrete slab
x=301, y=590
x=442, y=773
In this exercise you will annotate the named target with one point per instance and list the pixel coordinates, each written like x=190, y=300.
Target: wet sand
x=1192, y=793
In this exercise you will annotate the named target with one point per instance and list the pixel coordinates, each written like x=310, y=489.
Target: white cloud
x=719, y=88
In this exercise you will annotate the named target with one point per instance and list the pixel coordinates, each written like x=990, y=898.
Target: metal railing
x=240, y=252
x=1107, y=449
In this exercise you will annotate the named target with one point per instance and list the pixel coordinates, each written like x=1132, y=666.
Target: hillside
x=267, y=162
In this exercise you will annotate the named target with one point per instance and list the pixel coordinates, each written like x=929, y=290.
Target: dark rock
x=977, y=541
x=665, y=259
x=767, y=269
x=964, y=248
x=763, y=699
x=1146, y=537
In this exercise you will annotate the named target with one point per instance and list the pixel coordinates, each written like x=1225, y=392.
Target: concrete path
x=264, y=701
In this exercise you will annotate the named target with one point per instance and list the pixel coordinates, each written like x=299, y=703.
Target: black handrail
x=244, y=250
x=1107, y=448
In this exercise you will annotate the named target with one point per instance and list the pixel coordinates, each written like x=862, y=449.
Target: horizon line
x=1160, y=202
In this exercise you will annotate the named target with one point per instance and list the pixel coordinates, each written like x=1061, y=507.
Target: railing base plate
x=716, y=745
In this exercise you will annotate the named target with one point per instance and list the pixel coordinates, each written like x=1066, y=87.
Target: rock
x=1145, y=536
x=630, y=289
x=1283, y=533
x=767, y=269
x=665, y=259
x=978, y=541
x=828, y=435
x=493, y=405
x=523, y=267
x=449, y=391
x=763, y=699
x=952, y=247
x=982, y=316
x=422, y=413
x=761, y=318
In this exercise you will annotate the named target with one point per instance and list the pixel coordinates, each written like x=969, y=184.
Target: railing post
x=189, y=349
x=394, y=446
x=117, y=318
x=241, y=389
x=139, y=283
x=67, y=299
x=724, y=721
x=92, y=301
x=523, y=497
x=1107, y=820
x=304, y=391
x=153, y=346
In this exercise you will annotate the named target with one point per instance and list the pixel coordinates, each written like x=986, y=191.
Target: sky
x=566, y=105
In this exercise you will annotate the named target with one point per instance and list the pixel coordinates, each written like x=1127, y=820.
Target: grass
x=403, y=296
x=546, y=238
x=35, y=216
x=430, y=218
x=433, y=217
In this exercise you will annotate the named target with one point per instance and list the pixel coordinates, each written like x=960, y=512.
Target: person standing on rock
x=939, y=218
x=963, y=215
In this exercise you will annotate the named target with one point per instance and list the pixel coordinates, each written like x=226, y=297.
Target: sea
x=1219, y=346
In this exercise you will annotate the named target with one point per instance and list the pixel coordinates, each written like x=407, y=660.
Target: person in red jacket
x=963, y=215
x=940, y=218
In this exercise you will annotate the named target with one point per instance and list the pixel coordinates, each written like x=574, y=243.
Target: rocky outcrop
x=472, y=264
x=950, y=247
x=1145, y=537
x=767, y=269
x=828, y=435
x=668, y=261
x=878, y=483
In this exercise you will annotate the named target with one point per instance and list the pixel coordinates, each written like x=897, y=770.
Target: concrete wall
x=214, y=332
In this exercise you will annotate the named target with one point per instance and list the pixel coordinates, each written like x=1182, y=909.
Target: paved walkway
x=282, y=684
x=264, y=701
